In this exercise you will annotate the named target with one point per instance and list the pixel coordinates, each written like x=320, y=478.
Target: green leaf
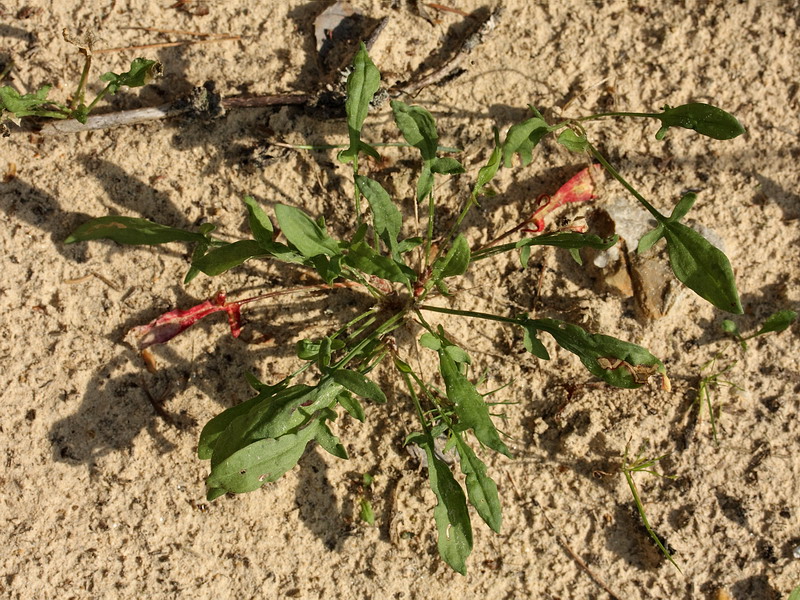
x=489, y=170
x=131, y=230
x=352, y=406
x=593, y=349
x=81, y=114
x=418, y=128
x=777, y=322
x=260, y=462
x=524, y=256
x=27, y=105
x=430, y=341
x=705, y=119
x=648, y=239
x=305, y=234
x=569, y=240
x=533, y=344
x=455, y=262
x=683, y=206
x=702, y=267
x=451, y=513
x=222, y=258
x=260, y=225
x=311, y=349
x=362, y=257
x=469, y=405
x=573, y=142
x=365, y=511
x=141, y=72
x=386, y=218
x=359, y=385
x=409, y=244
x=795, y=595
x=216, y=426
x=329, y=442
x=522, y=139
x=362, y=83
x=481, y=489
x=458, y=355
x=446, y=166
x=424, y=183
x=730, y=327
x=274, y=416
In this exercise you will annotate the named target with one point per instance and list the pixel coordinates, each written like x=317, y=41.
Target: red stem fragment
x=170, y=324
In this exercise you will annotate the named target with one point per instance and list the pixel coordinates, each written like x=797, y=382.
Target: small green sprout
x=14, y=106
x=645, y=465
x=775, y=323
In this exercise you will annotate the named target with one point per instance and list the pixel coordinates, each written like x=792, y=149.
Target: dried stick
x=144, y=115
x=165, y=111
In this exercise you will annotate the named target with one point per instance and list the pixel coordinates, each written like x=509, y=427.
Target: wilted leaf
x=141, y=72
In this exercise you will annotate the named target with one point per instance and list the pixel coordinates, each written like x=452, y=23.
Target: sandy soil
x=102, y=494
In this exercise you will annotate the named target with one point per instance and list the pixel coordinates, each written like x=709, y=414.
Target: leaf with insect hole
x=450, y=513
x=266, y=460
x=592, y=349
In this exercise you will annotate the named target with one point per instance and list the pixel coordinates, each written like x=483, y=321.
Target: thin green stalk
x=429, y=234
x=417, y=405
x=99, y=97
x=78, y=96
x=374, y=145
x=486, y=252
x=626, y=470
x=470, y=313
x=617, y=114
x=615, y=174
x=384, y=328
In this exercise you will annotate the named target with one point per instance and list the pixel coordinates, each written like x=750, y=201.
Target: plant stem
x=470, y=313
x=626, y=470
x=429, y=234
x=615, y=174
x=616, y=114
x=99, y=97
x=78, y=97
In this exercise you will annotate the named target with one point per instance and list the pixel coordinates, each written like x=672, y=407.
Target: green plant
x=259, y=440
x=775, y=323
x=14, y=106
x=645, y=465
